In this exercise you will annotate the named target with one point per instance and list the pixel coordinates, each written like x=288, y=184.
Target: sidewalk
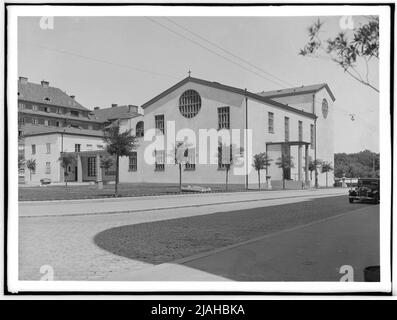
x=136, y=204
x=314, y=252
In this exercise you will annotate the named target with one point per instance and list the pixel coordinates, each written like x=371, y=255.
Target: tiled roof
x=296, y=91
x=58, y=116
x=40, y=130
x=113, y=113
x=38, y=93
x=220, y=86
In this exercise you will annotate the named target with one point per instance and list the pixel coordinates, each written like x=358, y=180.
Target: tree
x=65, y=161
x=31, y=165
x=260, y=162
x=325, y=168
x=181, y=156
x=364, y=164
x=227, y=157
x=21, y=161
x=106, y=163
x=119, y=144
x=313, y=166
x=347, y=51
x=285, y=162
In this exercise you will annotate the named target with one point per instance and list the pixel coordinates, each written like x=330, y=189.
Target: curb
x=173, y=207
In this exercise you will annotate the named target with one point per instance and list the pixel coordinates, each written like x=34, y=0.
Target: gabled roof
x=42, y=130
x=296, y=91
x=34, y=92
x=114, y=113
x=220, y=86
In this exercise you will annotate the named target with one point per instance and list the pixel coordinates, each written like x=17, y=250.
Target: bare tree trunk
x=117, y=177
x=30, y=175
x=227, y=177
x=180, y=177
x=326, y=179
x=259, y=179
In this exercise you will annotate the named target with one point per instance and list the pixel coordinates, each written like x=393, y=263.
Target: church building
x=294, y=124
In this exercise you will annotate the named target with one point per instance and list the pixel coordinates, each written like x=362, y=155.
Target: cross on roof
x=189, y=72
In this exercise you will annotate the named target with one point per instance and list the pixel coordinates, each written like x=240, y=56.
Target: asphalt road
x=93, y=247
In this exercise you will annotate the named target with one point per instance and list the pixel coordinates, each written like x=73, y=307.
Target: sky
x=129, y=60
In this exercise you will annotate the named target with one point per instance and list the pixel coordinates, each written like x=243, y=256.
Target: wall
x=42, y=157
x=325, y=135
x=258, y=122
x=207, y=117
x=301, y=102
x=55, y=140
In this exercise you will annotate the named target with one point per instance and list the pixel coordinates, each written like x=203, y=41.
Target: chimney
x=45, y=84
x=114, y=105
x=72, y=97
x=132, y=108
x=23, y=80
x=96, y=108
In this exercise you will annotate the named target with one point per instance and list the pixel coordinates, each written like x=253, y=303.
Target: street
x=294, y=238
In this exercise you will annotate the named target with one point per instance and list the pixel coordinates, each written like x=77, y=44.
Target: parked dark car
x=367, y=190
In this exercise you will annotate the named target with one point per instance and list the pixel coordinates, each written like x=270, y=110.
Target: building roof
x=220, y=86
x=296, y=91
x=44, y=94
x=113, y=113
x=58, y=116
x=42, y=130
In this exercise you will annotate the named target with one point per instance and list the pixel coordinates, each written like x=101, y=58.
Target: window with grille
x=21, y=105
x=270, y=122
x=139, y=130
x=133, y=163
x=77, y=147
x=191, y=160
x=35, y=121
x=33, y=149
x=35, y=108
x=300, y=130
x=311, y=136
x=48, y=147
x=224, y=118
x=92, y=166
x=48, y=167
x=159, y=123
x=286, y=128
x=160, y=159
x=189, y=104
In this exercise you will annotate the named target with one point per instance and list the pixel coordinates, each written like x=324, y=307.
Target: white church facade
x=297, y=122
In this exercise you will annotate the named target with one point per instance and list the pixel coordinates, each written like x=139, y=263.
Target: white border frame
x=15, y=285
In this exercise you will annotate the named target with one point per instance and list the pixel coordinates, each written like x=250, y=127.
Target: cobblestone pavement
x=66, y=242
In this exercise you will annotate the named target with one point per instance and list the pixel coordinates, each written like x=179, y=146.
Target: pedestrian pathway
x=138, y=204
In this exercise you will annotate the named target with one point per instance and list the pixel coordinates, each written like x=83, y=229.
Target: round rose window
x=189, y=104
x=325, y=108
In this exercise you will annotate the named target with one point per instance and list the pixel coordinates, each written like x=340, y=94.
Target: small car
x=367, y=190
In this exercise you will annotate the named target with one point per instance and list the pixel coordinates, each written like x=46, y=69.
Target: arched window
x=139, y=130
x=189, y=104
